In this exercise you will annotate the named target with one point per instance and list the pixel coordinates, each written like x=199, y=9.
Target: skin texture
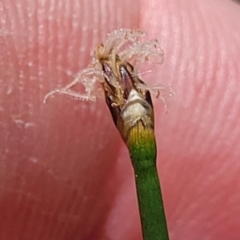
x=64, y=171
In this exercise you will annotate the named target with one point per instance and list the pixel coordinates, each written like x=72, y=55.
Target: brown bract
x=127, y=102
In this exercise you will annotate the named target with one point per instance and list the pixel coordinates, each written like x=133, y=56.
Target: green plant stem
x=142, y=149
